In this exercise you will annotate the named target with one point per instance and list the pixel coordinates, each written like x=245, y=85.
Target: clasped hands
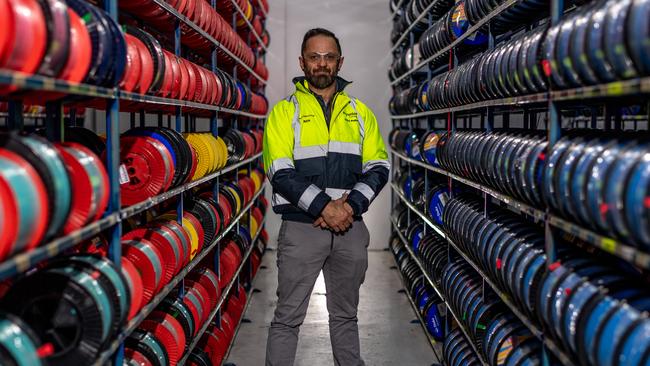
x=336, y=216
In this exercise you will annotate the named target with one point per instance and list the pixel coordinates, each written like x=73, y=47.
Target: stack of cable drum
x=616, y=50
x=592, y=306
x=452, y=21
x=102, y=298
x=427, y=302
x=457, y=346
x=418, y=144
x=431, y=248
x=95, y=50
x=587, y=177
x=601, y=182
x=163, y=337
x=47, y=189
x=431, y=198
x=447, y=29
x=497, y=333
x=215, y=342
x=152, y=160
x=156, y=159
x=566, y=55
x=414, y=9
x=241, y=144
x=75, y=304
x=590, y=178
x=205, y=17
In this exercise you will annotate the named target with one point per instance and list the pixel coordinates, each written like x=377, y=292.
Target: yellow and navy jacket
x=313, y=154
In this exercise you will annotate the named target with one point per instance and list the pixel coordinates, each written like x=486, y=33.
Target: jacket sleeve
x=279, y=164
x=376, y=166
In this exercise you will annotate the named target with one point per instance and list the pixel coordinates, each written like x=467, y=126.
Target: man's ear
x=340, y=63
x=301, y=61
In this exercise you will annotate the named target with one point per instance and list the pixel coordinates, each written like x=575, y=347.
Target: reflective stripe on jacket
x=309, y=164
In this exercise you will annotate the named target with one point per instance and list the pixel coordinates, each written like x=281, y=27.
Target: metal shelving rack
x=531, y=325
x=224, y=295
x=23, y=261
x=625, y=251
x=111, y=223
x=440, y=294
x=551, y=103
x=147, y=309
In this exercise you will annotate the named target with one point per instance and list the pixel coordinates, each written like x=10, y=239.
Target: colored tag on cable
x=604, y=208
x=546, y=65
x=45, y=350
x=499, y=263
x=554, y=266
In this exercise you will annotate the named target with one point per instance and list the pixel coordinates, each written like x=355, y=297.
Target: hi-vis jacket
x=310, y=158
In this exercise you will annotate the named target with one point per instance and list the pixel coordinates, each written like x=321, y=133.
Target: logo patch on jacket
x=306, y=118
x=351, y=117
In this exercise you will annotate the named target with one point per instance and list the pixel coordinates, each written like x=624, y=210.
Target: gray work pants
x=303, y=251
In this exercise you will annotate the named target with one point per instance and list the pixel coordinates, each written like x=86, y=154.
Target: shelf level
x=41, y=83
x=616, y=89
x=625, y=251
x=609, y=90
x=153, y=201
x=22, y=262
x=520, y=101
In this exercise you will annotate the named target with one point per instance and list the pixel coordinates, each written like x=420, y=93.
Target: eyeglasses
x=317, y=56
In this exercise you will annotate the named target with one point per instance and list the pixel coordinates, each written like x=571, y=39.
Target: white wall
x=363, y=27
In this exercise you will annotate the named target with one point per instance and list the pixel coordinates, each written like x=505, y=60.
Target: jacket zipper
x=328, y=140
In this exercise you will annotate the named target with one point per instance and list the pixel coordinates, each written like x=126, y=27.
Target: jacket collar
x=303, y=86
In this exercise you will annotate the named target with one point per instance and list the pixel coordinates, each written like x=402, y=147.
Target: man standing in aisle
x=326, y=161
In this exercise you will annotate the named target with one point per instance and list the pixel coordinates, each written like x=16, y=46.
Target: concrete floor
x=389, y=336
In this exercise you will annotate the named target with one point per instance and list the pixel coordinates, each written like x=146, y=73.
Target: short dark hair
x=319, y=32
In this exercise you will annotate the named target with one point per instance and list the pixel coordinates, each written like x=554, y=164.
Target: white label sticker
x=124, y=175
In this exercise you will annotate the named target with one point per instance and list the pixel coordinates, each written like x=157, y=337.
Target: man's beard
x=321, y=78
